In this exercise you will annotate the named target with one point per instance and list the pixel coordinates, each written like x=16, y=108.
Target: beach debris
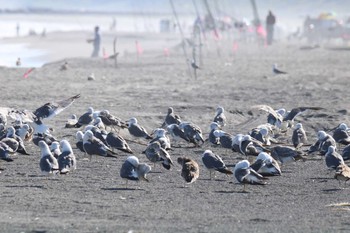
x=91, y=77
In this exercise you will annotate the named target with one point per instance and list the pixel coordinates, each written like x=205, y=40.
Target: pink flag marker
x=139, y=49
x=104, y=54
x=166, y=52
x=26, y=74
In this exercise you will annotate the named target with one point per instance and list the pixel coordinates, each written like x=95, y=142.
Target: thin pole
x=200, y=27
x=218, y=50
x=115, y=51
x=182, y=37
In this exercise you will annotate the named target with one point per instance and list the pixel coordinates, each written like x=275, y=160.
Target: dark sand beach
x=94, y=198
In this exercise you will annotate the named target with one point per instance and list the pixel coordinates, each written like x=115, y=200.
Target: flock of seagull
x=100, y=136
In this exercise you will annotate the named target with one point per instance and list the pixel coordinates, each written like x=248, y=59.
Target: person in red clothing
x=270, y=23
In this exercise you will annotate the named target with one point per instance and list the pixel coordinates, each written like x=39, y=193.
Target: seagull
x=285, y=154
x=136, y=130
x=192, y=132
x=15, y=140
x=220, y=117
x=275, y=70
x=111, y=121
x=48, y=163
x=341, y=135
x=116, y=141
x=25, y=132
x=213, y=162
x=332, y=158
x=246, y=175
x=86, y=118
x=262, y=135
x=177, y=133
x=267, y=166
x=225, y=139
x=99, y=124
x=18, y=62
x=171, y=118
x=342, y=173
x=212, y=138
x=64, y=66
x=94, y=146
x=66, y=160
x=5, y=150
x=156, y=154
x=236, y=143
x=79, y=144
x=299, y=136
x=321, y=145
x=190, y=169
x=55, y=149
x=48, y=138
x=250, y=146
x=162, y=138
x=132, y=169
x=72, y=121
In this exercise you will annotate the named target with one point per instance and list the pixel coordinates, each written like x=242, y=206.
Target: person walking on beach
x=270, y=23
x=96, y=41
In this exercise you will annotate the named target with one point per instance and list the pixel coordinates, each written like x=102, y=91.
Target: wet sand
x=94, y=198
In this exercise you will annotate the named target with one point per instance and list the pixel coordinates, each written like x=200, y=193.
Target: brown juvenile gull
x=342, y=173
x=48, y=163
x=132, y=169
x=190, y=169
x=111, y=120
x=299, y=136
x=136, y=130
x=246, y=175
x=220, y=117
x=66, y=160
x=213, y=162
x=171, y=118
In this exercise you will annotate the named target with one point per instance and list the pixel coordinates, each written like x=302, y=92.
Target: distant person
x=96, y=41
x=270, y=23
x=17, y=29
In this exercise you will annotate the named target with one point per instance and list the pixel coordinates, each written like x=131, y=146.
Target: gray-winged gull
x=275, y=70
x=86, y=118
x=299, y=136
x=341, y=134
x=55, y=149
x=268, y=166
x=225, y=139
x=79, y=144
x=110, y=120
x=156, y=154
x=285, y=154
x=162, y=138
x=94, y=146
x=332, y=158
x=220, y=117
x=177, y=133
x=324, y=141
x=48, y=163
x=190, y=169
x=136, y=130
x=132, y=169
x=192, y=132
x=246, y=175
x=115, y=141
x=213, y=162
x=12, y=138
x=66, y=160
x=212, y=138
x=71, y=121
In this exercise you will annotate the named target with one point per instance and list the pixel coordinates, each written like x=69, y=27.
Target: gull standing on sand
x=156, y=154
x=136, y=130
x=177, y=133
x=190, y=169
x=48, y=163
x=162, y=138
x=86, y=118
x=192, y=132
x=299, y=136
x=220, y=117
x=212, y=138
x=111, y=120
x=213, y=162
x=66, y=160
x=246, y=175
x=132, y=169
x=225, y=139
x=80, y=144
x=55, y=149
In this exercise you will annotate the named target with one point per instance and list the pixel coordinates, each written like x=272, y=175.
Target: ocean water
x=13, y=25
